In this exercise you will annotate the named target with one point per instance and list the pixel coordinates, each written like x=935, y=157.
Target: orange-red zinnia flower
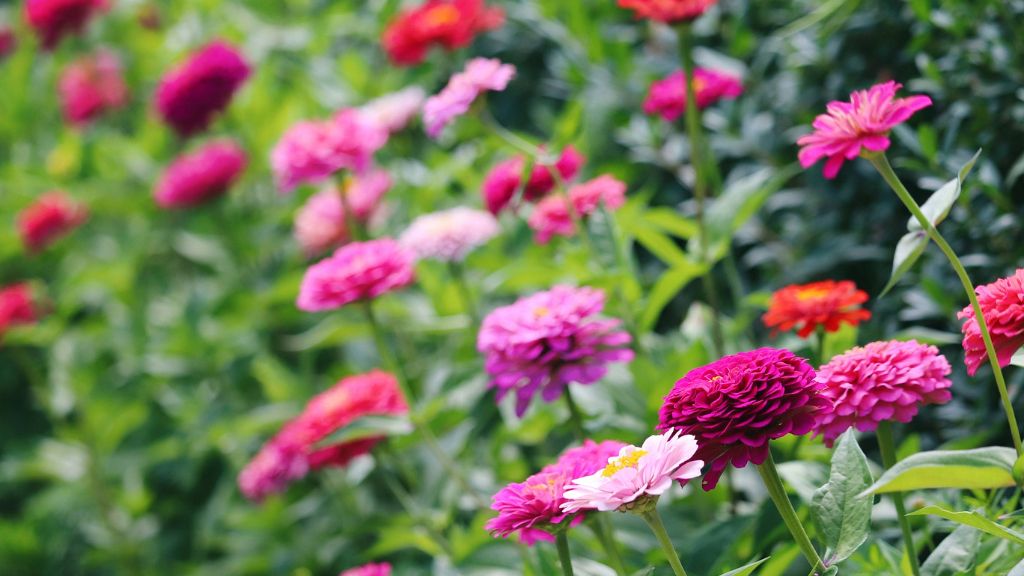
x=668, y=11
x=448, y=23
x=804, y=307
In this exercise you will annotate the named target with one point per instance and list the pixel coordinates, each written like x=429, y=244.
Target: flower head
x=879, y=382
x=381, y=569
x=54, y=19
x=200, y=176
x=543, y=342
x=551, y=217
x=736, y=405
x=17, y=306
x=394, y=111
x=48, y=219
x=448, y=23
x=667, y=97
x=192, y=94
x=862, y=124
x=449, y=235
x=502, y=182
x=805, y=307
x=1002, y=303
x=90, y=86
x=668, y=11
x=357, y=271
x=321, y=223
x=479, y=76
x=636, y=473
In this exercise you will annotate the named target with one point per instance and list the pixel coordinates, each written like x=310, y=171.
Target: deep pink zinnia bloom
x=1002, y=303
x=17, y=306
x=51, y=217
x=879, y=382
x=90, y=86
x=667, y=97
x=551, y=217
x=862, y=124
x=543, y=342
x=192, y=94
x=480, y=75
x=373, y=569
x=668, y=11
x=54, y=19
x=504, y=180
x=357, y=271
x=736, y=405
x=321, y=224
x=201, y=176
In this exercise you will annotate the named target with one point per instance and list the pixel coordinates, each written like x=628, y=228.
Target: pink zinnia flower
x=394, y=111
x=8, y=41
x=450, y=234
x=381, y=569
x=17, y=306
x=504, y=180
x=1002, y=303
x=192, y=94
x=736, y=405
x=668, y=11
x=201, y=176
x=321, y=223
x=54, y=19
x=90, y=86
x=545, y=341
x=480, y=75
x=48, y=219
x=862, y=124
x=357, y=271
x=667, y=97
x=313, y=151
x=647, y=471
x=879, y=382
x=552, y=217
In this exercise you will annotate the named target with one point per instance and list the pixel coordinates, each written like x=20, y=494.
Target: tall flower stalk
x=777, y=492
x=888, y=450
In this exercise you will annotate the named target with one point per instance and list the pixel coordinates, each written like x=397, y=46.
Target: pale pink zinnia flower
x=90, y=86
x=667, y=97
x=552, y=217
x=373, y=569
x=635, y=473
x=862, y=124
x=191, y=95
x=394, y=111
x=357, y=271
x=504, y=180
x=1002, y=303
x=200, y=176
x=321, y=223
x=480, y=75
x=450, y=234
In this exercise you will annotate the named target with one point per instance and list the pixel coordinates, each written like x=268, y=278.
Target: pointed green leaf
x=908, y=250
x=979, y=468
x=938, y=205
x=670, y=283
x=841, y=511
x=1018, y=358
x=954, y=556
x=746, y=570
x=670, y=221
x=974, y=520
x=1017, y=570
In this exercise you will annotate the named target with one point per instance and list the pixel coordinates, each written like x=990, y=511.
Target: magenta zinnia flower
x=449, y=235
x=18, y=306
x=91, y=85
x=192, y=94
x=879, y=382
x=862, y=124
x=394, y=111
x=668, y=11
x=357, y=271
x=201, y=176
x=545, y=341
x=736, y=405
x=379, y=569
x=667, y=97
x=51, y=217
x=504, y=180
x=479, y=76
x=551, y=217
x=1002, y=303
x=321, y=224
x=54, y=19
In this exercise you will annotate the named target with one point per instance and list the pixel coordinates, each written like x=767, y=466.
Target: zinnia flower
x=502, y=182
x=545, y=341
x=381, y=569
x=54, y=19
x=736, y=405
x=862, y=124
x=321, y=223
x=8, y=41
x=1002, y=303
x=879, y=382
x=357, y=271
x=667, y=97
x=48, y=219
x=448, y=23
x=90, y=86
x=192, y=94
x=450, y=234
x=636, y=473
x=17, y=306
x=313, y=151
x=827, y=304
x=668, y=11
x=480, y=75
x=394, y=111
x=551, y=217
x=201, y=176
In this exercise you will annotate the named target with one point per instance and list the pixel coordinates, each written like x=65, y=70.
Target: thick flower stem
x=653, y=520
x=881, y=163
x=888, y=449
x=611, y=547
x=820, y=334
x=564, y=558
x=575, y=416
x=772, y=481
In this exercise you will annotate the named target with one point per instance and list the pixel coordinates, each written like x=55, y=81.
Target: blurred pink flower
x=668, y=11
x=545, y=341
x=321, y=224
x=18, y=306
x=667, y=97
x=1002, y=303
x=52, y=20
x=480, y=75
x=449, y=235
x=201, y=176
x=51, y=217
x=8, y=41
x=394, y=111
x=551, y=216
x=862, y=124
x=193, y=93
x=381, y=569
x=357, y=271
x=502, y=182
x=277, y=465
x=90, y=86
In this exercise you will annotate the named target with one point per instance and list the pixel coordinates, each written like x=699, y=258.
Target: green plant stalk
x=564, y=558
x=881, y=163
x=772, y=481
x=611, y=547
x=653, y=520
x=888, y=449
x=820, y=339
x=575, y=416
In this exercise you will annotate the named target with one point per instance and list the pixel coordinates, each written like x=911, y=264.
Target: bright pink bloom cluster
x=357, y=271
x=191, y=95
x=479, y=76
x=90, y=86
x=394, y=111
x=201, y=176
x=667, y=97
x=551, y=217
x=736, y=405
x=373, y=569
x=450, y=234
x=321, y=223
x=17, y=306
x=505, y=179
x=879, y=382
x=51, y=217
x=862, y=124
x=54, y=19
x=448, y=23
x=668, y=11
x=1002, y=303
x=543, y=342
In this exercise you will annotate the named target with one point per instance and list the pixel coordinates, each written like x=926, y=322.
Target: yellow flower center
x=541, y=311
x=622, y=462
x=811, y=294
x=442, y=16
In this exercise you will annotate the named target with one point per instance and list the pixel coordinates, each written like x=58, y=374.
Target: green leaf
x=666, y=288
x=740, y=201
x=746, y=570
x=1018, y=358
x=938, y=205
x=841, y=510
x=974, y=520
x=663, y=247
x=1018, y=570
x=908, y=250
x=1018, y=470
x=954, y=556
x=979, y=468
x=670, y=221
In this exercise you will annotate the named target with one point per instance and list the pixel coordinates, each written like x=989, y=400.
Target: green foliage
x=969, y=469
x=841, y=510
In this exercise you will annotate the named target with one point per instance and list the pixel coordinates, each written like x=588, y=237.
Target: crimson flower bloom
x=17, y=306
x=357, y=271
x=1002, y=303
x=48, y=219
x=668, y=11
x=192, y=94
x=381, y=569
x=201, y=176
x=448, y=23
x=668, y=97
x=54, y=19
x=502, y=182
x=90, y=86
x=551, y=217
x=805, y=307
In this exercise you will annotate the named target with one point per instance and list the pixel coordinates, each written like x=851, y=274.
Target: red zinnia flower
x=807, y=306
x=203, y=175
x=17, y=306
x=668, y=11
x=8, y=41
x=448, y=23
x=1002, y=303
x=90, y=86
x=49, y=218
x=54, y=19
x=190, y=95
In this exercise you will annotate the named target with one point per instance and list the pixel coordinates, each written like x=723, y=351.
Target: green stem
x=564, y=558
x=469, y=303
x=575, y=416
x=888, y=449
x=819, y=352
x=881, y=163
x=611, y=547
x=772, y=481
x=653, y=520
x=355, y=230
